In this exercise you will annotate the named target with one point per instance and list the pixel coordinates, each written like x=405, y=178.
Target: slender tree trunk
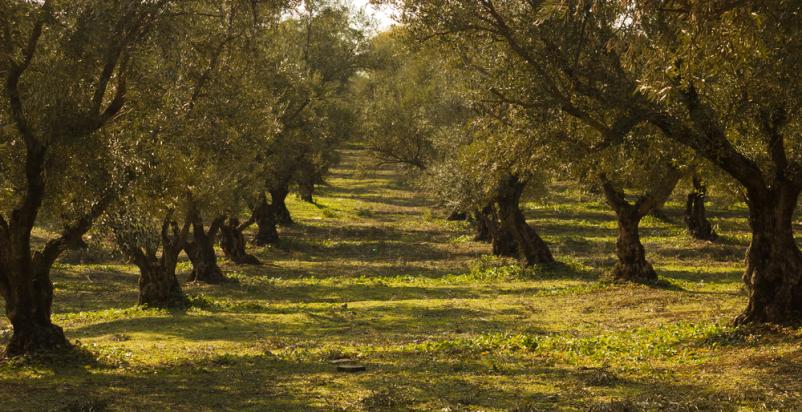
x=483, y=233
x=278, y=203
x=530, y=246
x=158, y=284
x=265, y=220
x=232, y=241
x=773, y=275
x=200, y=249
x=695, y=217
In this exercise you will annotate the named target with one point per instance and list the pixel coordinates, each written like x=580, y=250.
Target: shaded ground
x=370, y=274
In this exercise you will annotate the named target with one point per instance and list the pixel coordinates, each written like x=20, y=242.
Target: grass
x=370, y=274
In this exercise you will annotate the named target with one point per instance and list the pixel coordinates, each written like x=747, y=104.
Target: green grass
x=369, y=273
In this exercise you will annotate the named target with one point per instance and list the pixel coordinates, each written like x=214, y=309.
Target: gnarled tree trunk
x=158, y=284
x=200, y=249
x=632, y=264
x=306, y=190
x=263, y=215
x=695, y=217
x=530, y=246
x=29, y=297
x=774, y=262
x=500, y=239
x=232, y=242
x=25, y=283
x=278, y=197
x=483, y=233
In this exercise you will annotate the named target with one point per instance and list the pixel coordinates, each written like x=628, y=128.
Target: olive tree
x=90, y=53
x=719, y=78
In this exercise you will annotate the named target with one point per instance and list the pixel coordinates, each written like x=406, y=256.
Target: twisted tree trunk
x=25, y=283
x=773, y=262
x=530, y=246
x=200, y=249
x=632, y=264
x=278, y=197
x=306, y=189
x=232, y=241
x=158, y=284
x=29, y=298
x=501, y=240
x=263, y=215
x=483, y=233
x=695, y=217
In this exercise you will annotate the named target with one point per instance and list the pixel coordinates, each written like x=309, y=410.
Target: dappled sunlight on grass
x=369, y=273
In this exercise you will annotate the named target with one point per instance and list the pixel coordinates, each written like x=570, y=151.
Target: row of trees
x=627, y=97
x=158, y=123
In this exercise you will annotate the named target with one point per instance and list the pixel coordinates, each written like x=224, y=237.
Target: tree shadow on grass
x=396, y=321
x=698, y=276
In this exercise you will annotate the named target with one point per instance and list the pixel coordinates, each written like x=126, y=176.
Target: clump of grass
x=106, y=315
x=498, y=342
x=390, y=396
x=84, y=405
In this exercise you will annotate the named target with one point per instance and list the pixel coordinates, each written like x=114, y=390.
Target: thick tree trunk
x=773, y=275
x=483, y=233
x=25, y=279
x=28, y=306
x=306, y=191
x=158, y=284
x=263, y=215
x=631, y=264
x=530, y=246
x=279, y=205
x=501, y=239
x=200, y=249
x=232, y=242
x=695, y=217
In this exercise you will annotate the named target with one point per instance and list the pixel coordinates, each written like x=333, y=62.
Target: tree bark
x=632, y=264
x=200, y=249
x=773, y=274
x=232, y=242
x=29, y=299
x=306, y=190
x=25, y=283
x=501, y=240
x=278, y=197
x=483, y=233
x=158, y=284
x=530, y=246
x=695, y=217
x=263, y=215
